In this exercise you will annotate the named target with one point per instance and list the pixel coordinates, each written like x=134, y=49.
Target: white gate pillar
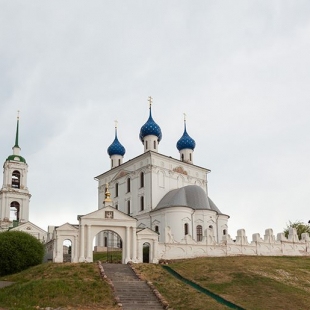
x=74, y=250
x=89, y=256
x=82, y=257
x=134, y=244
x=127, y=245
x=140, y=253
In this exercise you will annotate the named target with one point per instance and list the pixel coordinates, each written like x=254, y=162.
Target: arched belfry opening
x=14, y=211
x=16, y=179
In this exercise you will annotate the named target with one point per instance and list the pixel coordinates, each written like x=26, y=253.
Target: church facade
x=161, y=203
x=151, y=202
x=163, y=200
x=164, y=194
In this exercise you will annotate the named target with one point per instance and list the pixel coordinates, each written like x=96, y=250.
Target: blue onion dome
x=116, y=148
x=186, y=142
x=150, y=128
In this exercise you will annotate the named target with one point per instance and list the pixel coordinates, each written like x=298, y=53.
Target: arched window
x=119, y=162
x=116, y=189
x=128, y=207
x=199, y=232
x=14, y=211
x=185, y=229
x=141, y=203
x=112, y=163
x=224, y=232
x=142, y=179
x=16, y=179
x=128, y=185
x=190, y=156
x=182, y=157
x=154, y=145
x=146, y=145
x=157, y=228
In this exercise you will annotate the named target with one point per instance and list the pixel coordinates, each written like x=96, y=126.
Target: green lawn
x=250, y=282
x=57, y=285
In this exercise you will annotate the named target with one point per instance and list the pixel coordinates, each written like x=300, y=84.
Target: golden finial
x=150, y=100
x=116, y=123
x=184, y=117
x=107, y=194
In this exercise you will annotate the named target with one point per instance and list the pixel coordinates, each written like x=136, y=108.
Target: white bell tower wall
x=14, y=192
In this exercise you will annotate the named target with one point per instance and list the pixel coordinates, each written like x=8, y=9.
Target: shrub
x=18, y=251
x=300, y=228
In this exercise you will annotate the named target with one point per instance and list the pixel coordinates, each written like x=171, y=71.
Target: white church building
x=152, y=202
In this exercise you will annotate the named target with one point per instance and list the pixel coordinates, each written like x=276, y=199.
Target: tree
x=19, y=251
x=300, y=228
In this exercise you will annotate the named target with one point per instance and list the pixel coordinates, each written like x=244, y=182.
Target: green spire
x=17, y=129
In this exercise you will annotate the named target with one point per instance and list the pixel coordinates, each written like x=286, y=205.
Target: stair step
x=133, y=293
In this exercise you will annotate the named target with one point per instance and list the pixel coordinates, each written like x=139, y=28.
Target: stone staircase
x=133, y=293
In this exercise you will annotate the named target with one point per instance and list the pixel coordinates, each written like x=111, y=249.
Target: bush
x=300, y=228
x=19, y=251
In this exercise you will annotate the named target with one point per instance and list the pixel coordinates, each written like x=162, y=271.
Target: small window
x=190, y=156
x=128, y=207
x=112, y=163
x=116, y=206
x=154, y=145
x=119, y=162
x=224, y=232
x=16, y=179
x=141, y=203
x=182, y=157
x=116, y=189
x=141, y=179
x=199, y=232
x=185, y=229
x=128, y=185
x=146, y=145
x=157, y=228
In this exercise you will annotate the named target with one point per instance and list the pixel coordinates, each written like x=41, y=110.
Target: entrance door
x=146, y=252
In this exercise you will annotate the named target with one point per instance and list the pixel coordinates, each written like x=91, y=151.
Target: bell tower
x=14, y=194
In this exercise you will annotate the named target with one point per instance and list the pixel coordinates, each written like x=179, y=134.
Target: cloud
x=239, y=70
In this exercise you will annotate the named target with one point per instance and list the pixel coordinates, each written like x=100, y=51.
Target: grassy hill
x=250, y=282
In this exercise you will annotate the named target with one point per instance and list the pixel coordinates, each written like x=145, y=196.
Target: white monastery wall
x=280, y=246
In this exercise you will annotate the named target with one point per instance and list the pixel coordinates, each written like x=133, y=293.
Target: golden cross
x=116, y=123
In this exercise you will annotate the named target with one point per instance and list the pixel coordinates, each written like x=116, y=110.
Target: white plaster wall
x=186, y=153
x=154, y=165
x=9, y=194
x=279, y=248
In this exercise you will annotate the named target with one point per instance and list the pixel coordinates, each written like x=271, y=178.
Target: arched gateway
x=107, y=218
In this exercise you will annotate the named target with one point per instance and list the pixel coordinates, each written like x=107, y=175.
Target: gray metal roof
x=191, y=196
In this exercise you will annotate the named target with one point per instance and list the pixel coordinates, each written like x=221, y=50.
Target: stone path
x=134, y=294
x=5, y=283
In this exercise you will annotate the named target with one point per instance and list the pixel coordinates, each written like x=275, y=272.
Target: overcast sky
x=240, y=70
